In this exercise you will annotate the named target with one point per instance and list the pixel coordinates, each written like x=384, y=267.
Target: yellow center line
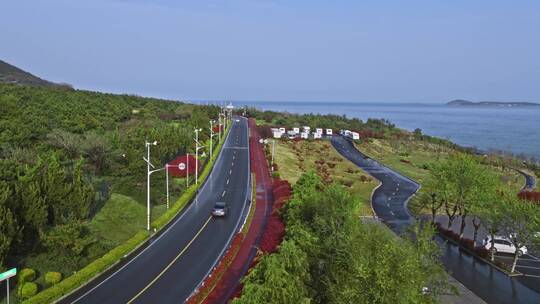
x=171, y=263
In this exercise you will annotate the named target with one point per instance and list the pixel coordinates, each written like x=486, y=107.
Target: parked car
x=503, y=244
x=220, y=209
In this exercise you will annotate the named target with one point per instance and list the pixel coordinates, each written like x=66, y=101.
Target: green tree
x=520, y=223
x=8, y=224
x=69, y=239
x=278, y=278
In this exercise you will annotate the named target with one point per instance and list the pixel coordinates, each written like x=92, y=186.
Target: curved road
x=530, y=181
x=389, y=202
x=176, y=262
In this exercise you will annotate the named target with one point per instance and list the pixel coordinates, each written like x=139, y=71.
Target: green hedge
x=53, y=277
x=27, y=275
x=98, y=266
x=28, y=289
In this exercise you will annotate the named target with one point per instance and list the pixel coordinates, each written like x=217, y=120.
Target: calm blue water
x=510, y=129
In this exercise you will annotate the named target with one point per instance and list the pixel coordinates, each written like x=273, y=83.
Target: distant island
x=461, y=102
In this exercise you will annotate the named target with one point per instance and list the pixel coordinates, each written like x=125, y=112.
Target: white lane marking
x=392, y=212
x=227, y=181
x=223, y=194
x=531, y=267
x=230, y=172
x=532, y=256
x=232, y=164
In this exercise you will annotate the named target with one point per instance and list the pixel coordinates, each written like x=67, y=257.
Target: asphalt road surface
x=389, y=202
x=173, y=266
x=390, y=198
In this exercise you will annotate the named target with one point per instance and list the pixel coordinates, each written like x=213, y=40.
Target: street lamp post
x=149, y=172
x=212, y=134
x=187, y=170
x=197, y=147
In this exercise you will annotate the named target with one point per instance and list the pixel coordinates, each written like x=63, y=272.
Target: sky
x=357, y=51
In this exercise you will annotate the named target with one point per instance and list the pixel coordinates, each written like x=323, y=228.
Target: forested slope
x=64, y=153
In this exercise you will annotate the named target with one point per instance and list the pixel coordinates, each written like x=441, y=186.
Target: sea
x=509, y=129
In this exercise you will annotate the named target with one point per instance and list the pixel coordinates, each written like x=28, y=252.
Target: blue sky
x=364, y=51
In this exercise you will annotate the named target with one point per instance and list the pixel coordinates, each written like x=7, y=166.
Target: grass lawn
x=122, y=215
x=294, y=158
x=413, y=158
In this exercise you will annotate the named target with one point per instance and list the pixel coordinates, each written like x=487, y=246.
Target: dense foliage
x=330, y=256
x=463, y=188
x=62, y=154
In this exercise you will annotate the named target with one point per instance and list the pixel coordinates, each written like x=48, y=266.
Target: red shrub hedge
x=482, y=252
x=533, y=196
x=467, y=243
x=275, y=228
x=218, y=271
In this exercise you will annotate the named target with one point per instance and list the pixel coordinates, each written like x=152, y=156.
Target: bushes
x=467, y=243
x=27, y=275
x=533, y=196
x=53, y=277
x=88, y=272
x=28, y=290
x=482, y=252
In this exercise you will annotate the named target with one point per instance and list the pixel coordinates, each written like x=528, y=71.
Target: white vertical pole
x=187, y=170
x=167, y=181
x=219, y=126
x=273, y=149
x=211, y=136
x=148, y=187
x=196, y=156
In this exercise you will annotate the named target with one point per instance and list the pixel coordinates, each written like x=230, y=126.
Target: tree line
x=329, y=256
x=62, y=152
x=461, y=188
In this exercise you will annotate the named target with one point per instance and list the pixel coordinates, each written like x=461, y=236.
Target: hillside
x=71, y=171
x=12, y=74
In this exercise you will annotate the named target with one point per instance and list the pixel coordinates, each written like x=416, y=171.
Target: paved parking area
x=528, y=264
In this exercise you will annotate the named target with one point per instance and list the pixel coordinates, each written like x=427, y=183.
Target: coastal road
x=175, y=263
x=389, y=202
x=530, y=180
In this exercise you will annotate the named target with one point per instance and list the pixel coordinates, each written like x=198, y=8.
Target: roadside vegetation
x=72, y=183
x=329, y=256
x=465, y=191
x=414, y=157
x=293, y=158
